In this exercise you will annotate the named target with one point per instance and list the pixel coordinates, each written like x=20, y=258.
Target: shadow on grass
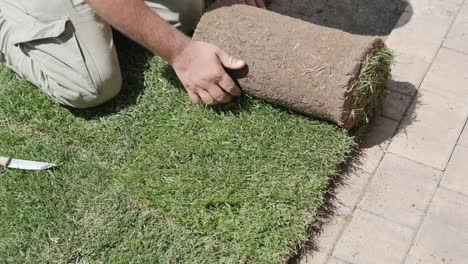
x=378, y=135
x=133, y=59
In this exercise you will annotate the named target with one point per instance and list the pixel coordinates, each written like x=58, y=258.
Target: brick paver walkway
x=407, y=200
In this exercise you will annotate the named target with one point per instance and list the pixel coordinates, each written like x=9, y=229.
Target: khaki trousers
x=66, y=50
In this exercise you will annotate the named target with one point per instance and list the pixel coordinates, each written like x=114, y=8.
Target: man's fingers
x=195, y=97
x=261, y=4
x=229, y=61
x=229, y=86
x=206, y=97
x=219, y=94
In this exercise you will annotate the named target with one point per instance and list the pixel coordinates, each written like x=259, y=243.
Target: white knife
x=24, y=164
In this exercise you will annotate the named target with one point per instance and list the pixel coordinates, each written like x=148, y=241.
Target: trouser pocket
x=46, y=52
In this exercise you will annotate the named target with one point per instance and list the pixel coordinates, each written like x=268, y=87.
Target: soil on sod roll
x=308, y=68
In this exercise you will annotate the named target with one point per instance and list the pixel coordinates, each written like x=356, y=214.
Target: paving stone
x=372, y=239
x=409, y=68
x=430, y=131
x=405, y=88
x=464, y=137
x=332, y=229
x=349, y=192
x=412, y=28
x=334, y=260
x=421, y=4
x=457, y=38
x=414, y=45
x=375, y=143
x=327, y=237
x=400, y=190
x=380, y=132
x=448, y=76
x=414, y=38
x=436, y=7
x=443, y=237
x=314, y=257
x=456, y=176
x=369, y=158
x=395, y=105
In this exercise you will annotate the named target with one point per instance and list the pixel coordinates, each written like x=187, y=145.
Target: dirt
x=292, y=63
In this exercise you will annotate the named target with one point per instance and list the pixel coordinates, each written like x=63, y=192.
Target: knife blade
x=25, y=164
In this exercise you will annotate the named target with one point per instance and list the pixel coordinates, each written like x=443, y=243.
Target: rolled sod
x=318, y=71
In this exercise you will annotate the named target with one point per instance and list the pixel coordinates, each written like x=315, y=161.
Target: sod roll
x=308, y=68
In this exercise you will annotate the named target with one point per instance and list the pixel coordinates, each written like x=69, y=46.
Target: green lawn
x=150, y=178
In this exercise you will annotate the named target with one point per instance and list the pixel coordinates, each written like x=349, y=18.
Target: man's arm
x=199, y=65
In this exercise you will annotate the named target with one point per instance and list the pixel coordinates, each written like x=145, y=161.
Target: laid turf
x=150, y=178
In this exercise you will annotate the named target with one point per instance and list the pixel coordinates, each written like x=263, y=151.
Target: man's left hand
x=257, y=3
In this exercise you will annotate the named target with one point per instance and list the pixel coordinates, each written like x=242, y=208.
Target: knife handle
x=4, y=161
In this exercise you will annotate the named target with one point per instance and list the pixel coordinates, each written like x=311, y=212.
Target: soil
x=292, y=63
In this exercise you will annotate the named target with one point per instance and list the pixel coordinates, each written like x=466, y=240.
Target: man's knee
x=72, y=60
x=107, y=90
x=92, y=95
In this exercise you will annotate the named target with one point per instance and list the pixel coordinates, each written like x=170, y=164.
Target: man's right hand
x=200, y=68
x=199, y=65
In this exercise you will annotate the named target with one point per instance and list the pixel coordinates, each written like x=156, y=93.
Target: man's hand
x=199, y=65
x=200, y=68
x=257, y=3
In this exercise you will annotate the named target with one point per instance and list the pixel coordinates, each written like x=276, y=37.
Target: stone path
x=407, y=200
